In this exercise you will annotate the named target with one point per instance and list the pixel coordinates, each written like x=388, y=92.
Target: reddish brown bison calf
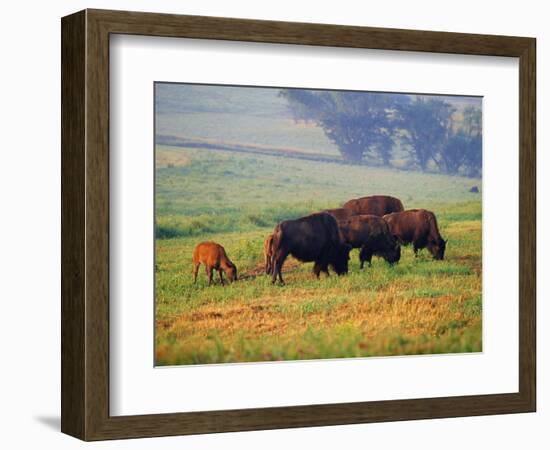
x=268, y=253
x=372, y=235
x=419, y=227
x=377, y=205
x=213, y=257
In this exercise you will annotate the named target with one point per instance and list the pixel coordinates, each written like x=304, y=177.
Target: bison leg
x=277, y=265
x=221, y=276
x=195, y=271
x=274, y=272
x=317, y=269
x=415, y=249
x=279, y=271
x=365, y=255
x=273, y=264
x=209, y=273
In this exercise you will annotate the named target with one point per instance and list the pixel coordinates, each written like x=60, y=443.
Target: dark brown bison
x=372, y=235
x=268, y=252
x=419, y=227
x=377, y=205
x=312, y=238
x=213, y=257
x=340, y=214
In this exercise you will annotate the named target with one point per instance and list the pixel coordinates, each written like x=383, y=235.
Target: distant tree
x=472, y=129
x=472, y=121
x=360, y=124
x=462, y=151
x=369, y=125
x=453, y=155
x=427, y=123
x=385, y=143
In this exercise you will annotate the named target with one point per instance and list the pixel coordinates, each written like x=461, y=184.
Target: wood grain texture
x=85, y=224
x=97, y=226
x=73, y=228
x=267, y=31
x=527, y=223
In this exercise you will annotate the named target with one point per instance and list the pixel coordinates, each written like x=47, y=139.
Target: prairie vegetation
x=418, y=306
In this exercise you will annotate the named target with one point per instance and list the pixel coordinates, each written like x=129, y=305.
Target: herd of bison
x=377, y=225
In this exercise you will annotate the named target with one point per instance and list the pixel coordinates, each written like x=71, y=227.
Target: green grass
x=224, y=191
x=418, y=306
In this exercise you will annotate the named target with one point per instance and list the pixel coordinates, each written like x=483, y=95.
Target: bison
x=268, y=252
x=340, y=214
x=213, y=257
x=376, y=205
x=312, y=238
x=372, y=235
x=419, y=227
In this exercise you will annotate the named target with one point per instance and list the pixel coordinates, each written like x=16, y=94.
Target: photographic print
x=299, y=224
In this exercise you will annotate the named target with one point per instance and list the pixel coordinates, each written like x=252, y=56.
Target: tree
x=367, y=125
x=453, y=155
x=462, y=151
x=427, y=122
x=360, y=124
x=473, y=131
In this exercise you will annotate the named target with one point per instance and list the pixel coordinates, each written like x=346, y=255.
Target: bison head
x=231, y=272
x=393, y=254
x=340, y=259
x=437, y=248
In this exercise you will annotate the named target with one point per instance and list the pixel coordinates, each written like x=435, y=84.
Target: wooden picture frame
x=85, y=224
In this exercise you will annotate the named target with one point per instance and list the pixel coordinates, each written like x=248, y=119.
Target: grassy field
x=418, y=306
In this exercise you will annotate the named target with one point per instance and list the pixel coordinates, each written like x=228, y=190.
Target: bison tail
x=276, y=243
x=277, y=238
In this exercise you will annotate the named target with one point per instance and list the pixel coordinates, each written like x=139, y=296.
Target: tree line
x=426, y=132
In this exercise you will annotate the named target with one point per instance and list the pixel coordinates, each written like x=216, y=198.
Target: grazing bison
x=312, y=238
x=213, y=257
x=419, y=227
x=268, y=252
x=340, y=214
x=372, y=235
x=377, y=205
